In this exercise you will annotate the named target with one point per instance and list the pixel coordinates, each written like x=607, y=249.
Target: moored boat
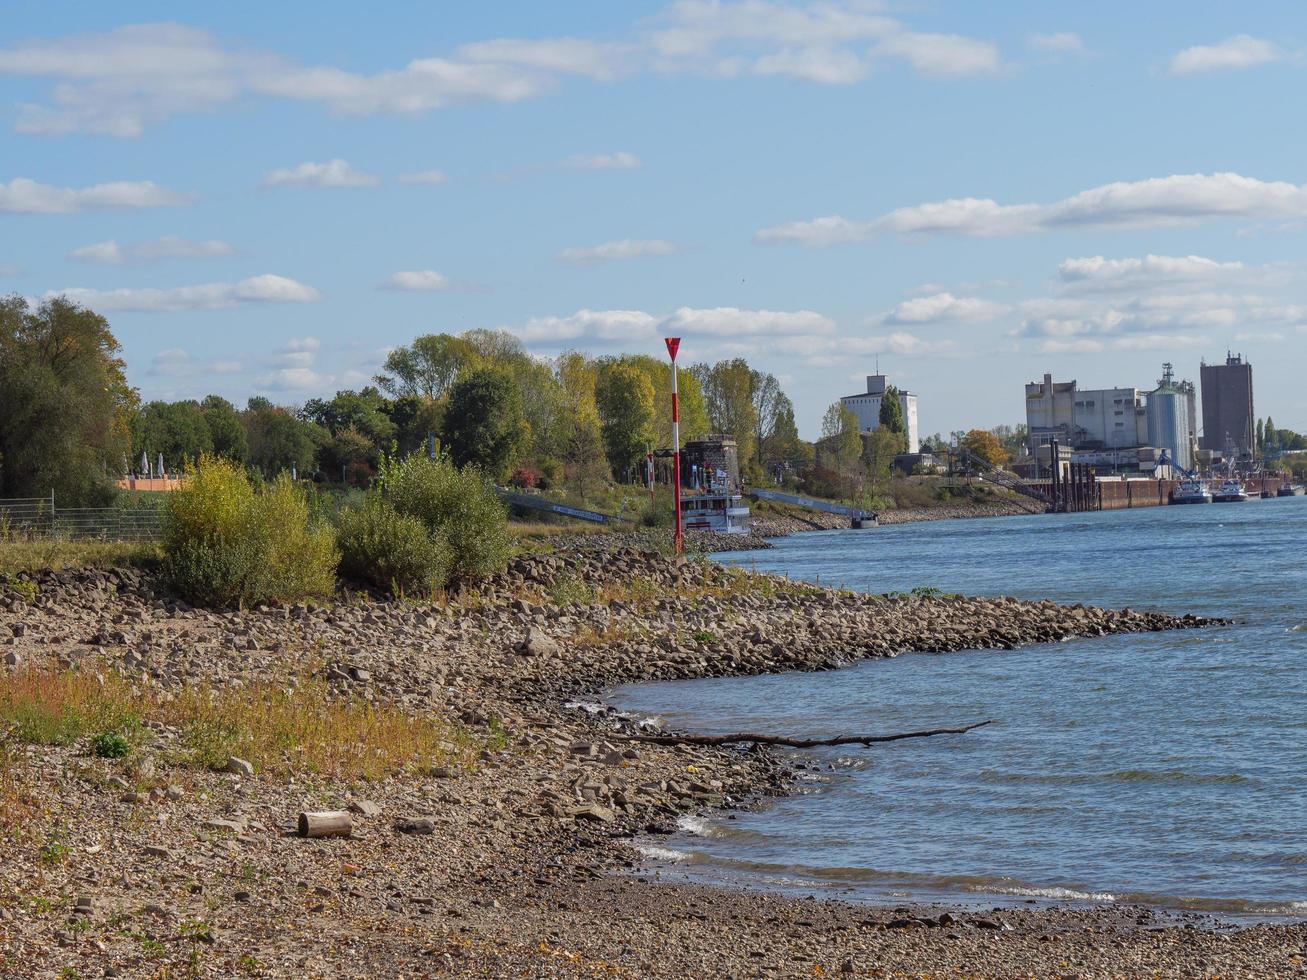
x=1229, y=492
x=1289, y=490
x=721, y=513
x=1191, y=492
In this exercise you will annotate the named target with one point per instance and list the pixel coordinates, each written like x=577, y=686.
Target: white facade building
x=1099, y=418
x=1105, y=419
x=866, y=406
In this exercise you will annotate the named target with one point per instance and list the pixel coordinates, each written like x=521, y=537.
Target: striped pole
x=672, y=344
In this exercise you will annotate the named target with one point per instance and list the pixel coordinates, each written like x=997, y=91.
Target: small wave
x=694, y=825
x=1056, y=894
x=660, y=853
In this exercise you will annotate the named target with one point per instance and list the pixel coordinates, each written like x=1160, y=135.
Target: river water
x=1165, y=768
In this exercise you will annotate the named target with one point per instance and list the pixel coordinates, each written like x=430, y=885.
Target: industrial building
x=1228, y=419
x=1120, y=428
x=1170, y=414
x=1098, y=418
x=866, y=406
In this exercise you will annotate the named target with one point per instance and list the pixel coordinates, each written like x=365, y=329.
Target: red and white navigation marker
x=673, y=343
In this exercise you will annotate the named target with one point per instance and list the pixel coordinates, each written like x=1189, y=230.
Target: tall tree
x=769, y=407
x=177, y=430
x=891, y=412
x=840, y=436
x=579, y=434
x=694, y=416
x=278, y=440
x=625, y=400
x=483, y=423
x=225, y=429
x=65, y=405
x=366, y=411
x=728, y=397
x=427, y=367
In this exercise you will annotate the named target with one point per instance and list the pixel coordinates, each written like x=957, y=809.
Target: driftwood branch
x=799, y=743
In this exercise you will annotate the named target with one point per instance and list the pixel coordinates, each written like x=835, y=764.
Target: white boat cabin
x=723, y=513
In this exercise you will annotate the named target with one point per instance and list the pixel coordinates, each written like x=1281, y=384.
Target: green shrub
x=227, y=544
x=459, y=505
x=110, y=745
x=392, y=550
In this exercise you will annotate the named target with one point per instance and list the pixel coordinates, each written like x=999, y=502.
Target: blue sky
x=265, y=200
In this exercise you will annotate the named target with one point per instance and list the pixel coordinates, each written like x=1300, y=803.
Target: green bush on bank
x=392, y=550
x=426, y=524
x=458, y=506
x=227, y=544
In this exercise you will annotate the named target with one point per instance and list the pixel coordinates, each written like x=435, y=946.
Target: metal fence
x=41, y=517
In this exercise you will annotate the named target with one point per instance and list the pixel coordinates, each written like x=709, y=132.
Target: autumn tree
x=728, y=398
x=986, y=445
x=579, y=439
x=65, y=405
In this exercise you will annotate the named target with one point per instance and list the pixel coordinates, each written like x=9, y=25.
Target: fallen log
x=326, y=823
x=799, y=743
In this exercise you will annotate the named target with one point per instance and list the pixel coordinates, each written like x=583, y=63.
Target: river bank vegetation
x=576, y=425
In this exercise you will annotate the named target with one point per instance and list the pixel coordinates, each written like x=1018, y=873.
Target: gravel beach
x=516, y=857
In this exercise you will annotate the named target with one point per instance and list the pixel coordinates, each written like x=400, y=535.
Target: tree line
x=70, y=423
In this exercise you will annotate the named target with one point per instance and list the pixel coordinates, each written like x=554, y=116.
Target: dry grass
x=37, y=554
x=280, y=730
x=18, y=807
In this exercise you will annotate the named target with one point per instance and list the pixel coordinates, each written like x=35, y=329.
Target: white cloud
x=1240, y=51
x=602, y=161
x=833, y=352
x=178, y=363
x=293, y=379
x=943, y=54
x=100, y=253
x=945, y=308
x=724, y=321
x=25, y=196
x=1062, y=42
x=1157, y=342
x=564, y=56
x=333, y=173
x=167, y=247
x=717, y=323
x=424, y=177
x=423, y=280
x=611, y=251
x=116, y=82
x=206, y=296
x=1071, y=347
x=822, y=42
x=10, y=271
x=826, y=66
x=120, y=81
x=1097, y=272
x=607, y=325
x=1180, y=199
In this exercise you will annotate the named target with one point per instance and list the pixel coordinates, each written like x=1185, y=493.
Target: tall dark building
x=1227, y=391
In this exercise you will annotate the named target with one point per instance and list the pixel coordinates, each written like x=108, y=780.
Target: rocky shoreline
x=518, y=860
